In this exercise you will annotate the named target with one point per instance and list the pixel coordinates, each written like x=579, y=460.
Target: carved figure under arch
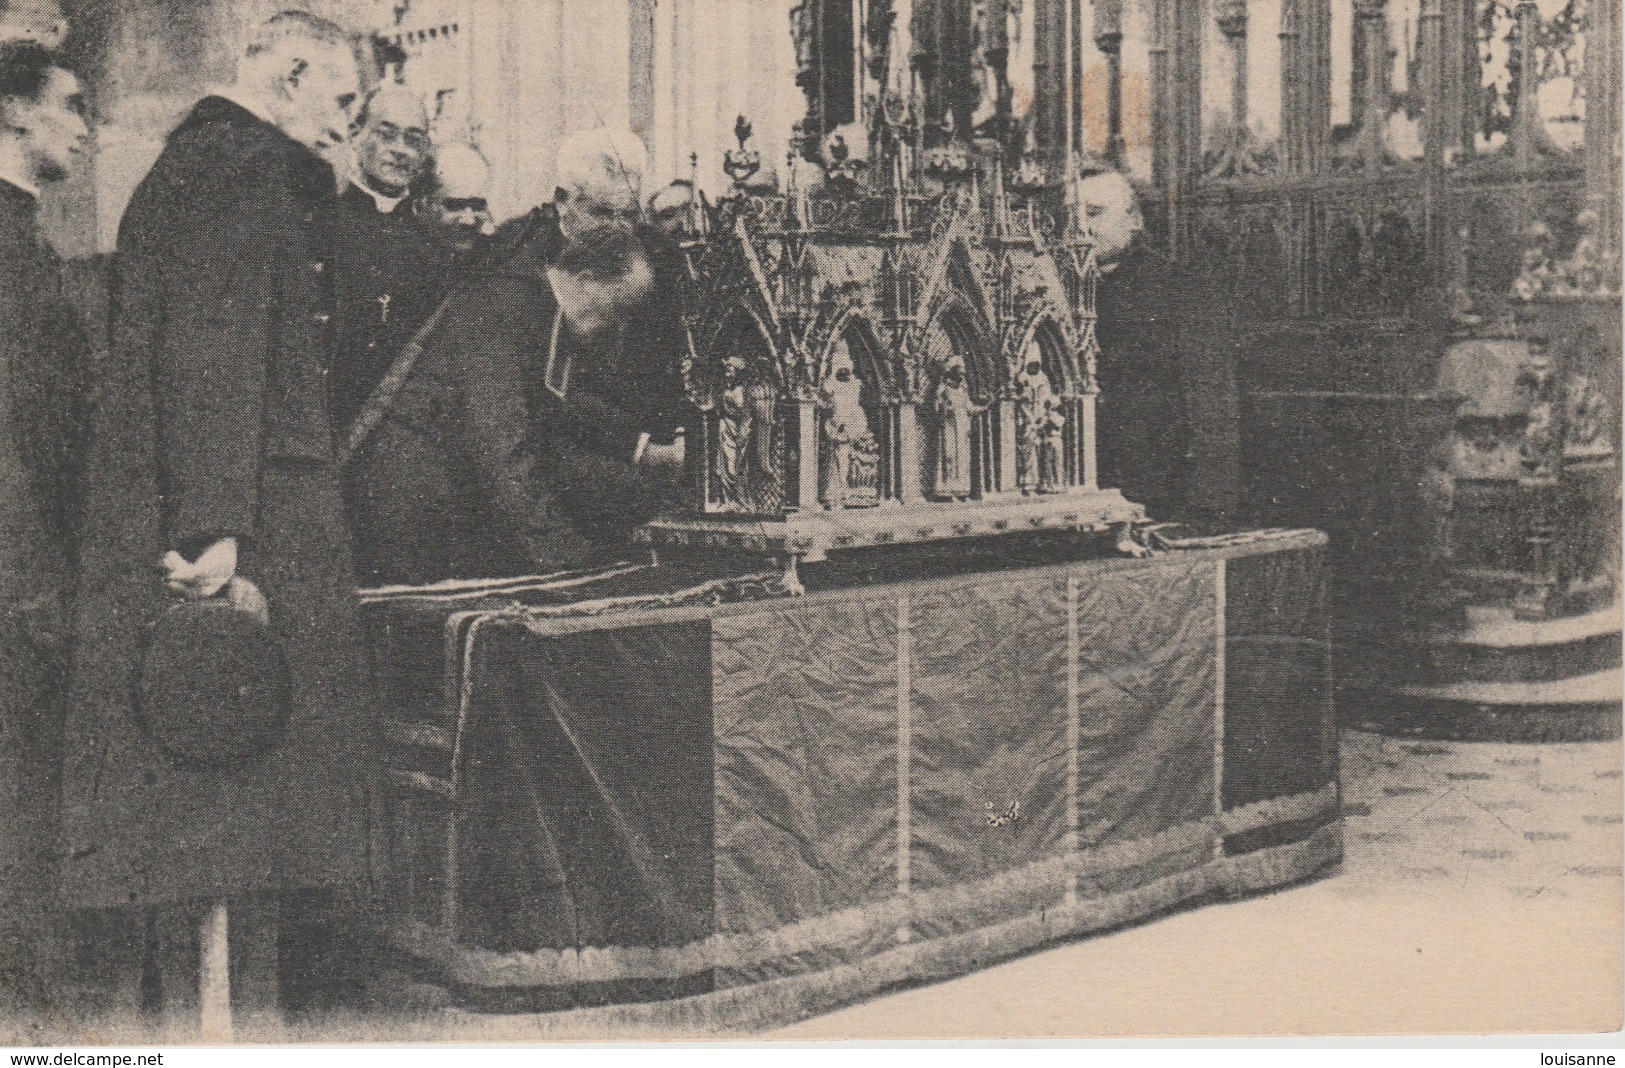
x=850, y=468
x=746, y=468
x=1040, y=426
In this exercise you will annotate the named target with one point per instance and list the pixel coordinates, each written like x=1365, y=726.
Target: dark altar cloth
x=729, y=815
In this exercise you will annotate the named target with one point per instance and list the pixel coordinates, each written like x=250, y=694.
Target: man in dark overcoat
x=536, y=431
x=43, y=376
x=213, y=474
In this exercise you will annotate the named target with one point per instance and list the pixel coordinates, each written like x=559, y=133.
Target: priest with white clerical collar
x=389, y=268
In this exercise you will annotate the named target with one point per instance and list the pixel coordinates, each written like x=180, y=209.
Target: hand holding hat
x=214, y=682
x=215, y=573
x=204, y=577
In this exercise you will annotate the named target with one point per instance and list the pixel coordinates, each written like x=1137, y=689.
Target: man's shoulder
x=17, y=226
x=222, y=149
x=218, y=129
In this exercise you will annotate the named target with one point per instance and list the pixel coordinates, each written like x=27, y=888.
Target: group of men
x=308, y=385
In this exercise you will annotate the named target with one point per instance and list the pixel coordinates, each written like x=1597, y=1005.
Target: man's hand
x=244, y=596
x=664, y=455
x=205, y=577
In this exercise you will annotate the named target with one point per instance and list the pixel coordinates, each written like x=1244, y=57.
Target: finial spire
x=697, y=223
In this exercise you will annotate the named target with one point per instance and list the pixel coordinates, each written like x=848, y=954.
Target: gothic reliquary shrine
x=897, y=344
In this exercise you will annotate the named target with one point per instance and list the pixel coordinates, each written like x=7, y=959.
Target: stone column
x=1108, y=32
x=1602, y=145
x=1088, y=475
x=1231, y=16
x=1176, y=108
x=1306, y=57
x=908, y=466
x=808, y=440
x=1006, y=473
x=1371, y=78
x=1528, y=137
x=1049, y=76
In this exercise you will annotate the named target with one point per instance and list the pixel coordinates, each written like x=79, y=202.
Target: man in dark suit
x=530, y=437
x=214, y=475
x=43, y=375
x=389, y=266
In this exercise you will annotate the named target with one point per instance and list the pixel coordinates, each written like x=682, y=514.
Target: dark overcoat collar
x=314, y=174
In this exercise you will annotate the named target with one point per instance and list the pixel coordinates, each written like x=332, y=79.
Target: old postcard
x=529, y=520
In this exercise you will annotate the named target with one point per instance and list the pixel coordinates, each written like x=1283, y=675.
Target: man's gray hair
x=302, y=26
x=381, y=90
x=602, y=161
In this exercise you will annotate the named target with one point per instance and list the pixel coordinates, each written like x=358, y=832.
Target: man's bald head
x=1112, y=214
x=669, y=208
x=599, y=176
x=392, y=139
x=462, y=182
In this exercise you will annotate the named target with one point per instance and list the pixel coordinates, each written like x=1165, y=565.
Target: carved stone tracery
x=866, y=346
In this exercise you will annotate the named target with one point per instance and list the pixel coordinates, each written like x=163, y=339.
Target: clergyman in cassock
x=43, y=376
x=388, y=265
x=528, y=437
x=214, y=488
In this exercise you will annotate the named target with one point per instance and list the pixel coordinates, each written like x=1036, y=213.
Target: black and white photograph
x=621, y=521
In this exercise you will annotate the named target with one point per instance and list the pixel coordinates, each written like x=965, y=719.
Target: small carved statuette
x=1587, y=419
x=1589, y=269
x=745, y=467
x=1539, y=448
x=851, y=465
x=1041, y=423
x=733, y=433
x=952, y=406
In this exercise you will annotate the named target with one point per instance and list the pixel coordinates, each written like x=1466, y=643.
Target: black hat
x=214, y=687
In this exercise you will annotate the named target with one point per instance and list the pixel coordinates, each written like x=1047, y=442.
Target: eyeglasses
x=416, y=140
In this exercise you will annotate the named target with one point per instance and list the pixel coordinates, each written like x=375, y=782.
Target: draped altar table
x=620, y=804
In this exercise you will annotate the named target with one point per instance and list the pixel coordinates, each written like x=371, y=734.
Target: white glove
x=207, y=576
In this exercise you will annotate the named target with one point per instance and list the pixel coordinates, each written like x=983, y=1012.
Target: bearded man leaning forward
x=534, y=432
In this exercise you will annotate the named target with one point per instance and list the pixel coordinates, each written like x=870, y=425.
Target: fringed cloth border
x=839, y=930
x=452, y=591
x=1288, y=809
x=782, y=1001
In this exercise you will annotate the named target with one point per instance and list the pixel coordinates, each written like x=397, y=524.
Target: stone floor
x=1481, y=892
x=1527, y=820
